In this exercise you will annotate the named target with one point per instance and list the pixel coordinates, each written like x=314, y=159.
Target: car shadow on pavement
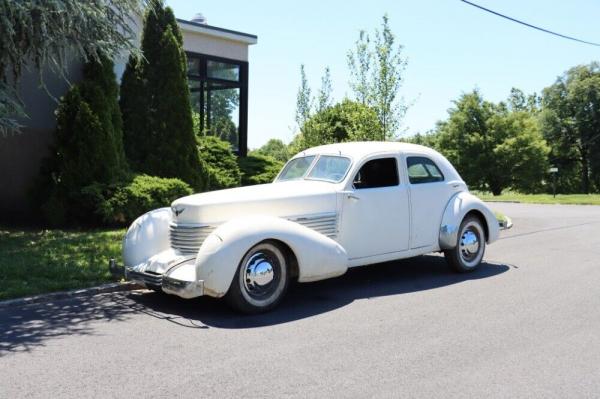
x=310, y=299
x=25, y=328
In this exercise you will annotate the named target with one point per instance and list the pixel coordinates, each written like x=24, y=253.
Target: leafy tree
x=163, y=144
x=377, y=76
x=220, y=163
x=296, y=145
x=48, y=33
x=345, y=121
x=387, y=80
x=518, y=101
x=324, y=95
x=429, y=139
x=303, y=100
x=524, y=152
x=493, y=146
x=359, y=63
x=274, y=148
x=571, y=122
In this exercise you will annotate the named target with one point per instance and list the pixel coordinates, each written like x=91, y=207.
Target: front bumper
x=506, y=223
x=184, y=288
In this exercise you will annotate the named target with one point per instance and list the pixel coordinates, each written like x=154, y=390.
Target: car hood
x=283, y=199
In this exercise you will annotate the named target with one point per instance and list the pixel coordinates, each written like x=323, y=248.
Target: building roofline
x=219, y=32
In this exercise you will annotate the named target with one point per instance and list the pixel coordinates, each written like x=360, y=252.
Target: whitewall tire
x=470, y=247
x=261, y=279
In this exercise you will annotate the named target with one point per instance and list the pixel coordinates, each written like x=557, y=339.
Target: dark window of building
x=423, y=170
x=219, y=96
x=382, y=172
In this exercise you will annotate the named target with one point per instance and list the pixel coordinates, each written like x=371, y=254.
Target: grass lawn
x=574, y=199
x=39, y=261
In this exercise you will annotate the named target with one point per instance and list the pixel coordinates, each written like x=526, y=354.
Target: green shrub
x=119, y=204
x=258, y=169
x=220, y=163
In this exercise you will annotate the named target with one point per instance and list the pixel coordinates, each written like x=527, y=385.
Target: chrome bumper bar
x=506, y=223
x=182, y=288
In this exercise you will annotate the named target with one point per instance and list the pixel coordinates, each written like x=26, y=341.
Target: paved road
x=527, y=324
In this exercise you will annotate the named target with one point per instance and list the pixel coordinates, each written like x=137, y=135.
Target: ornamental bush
x=258, y=169
x=220, y=163
x=121, y=204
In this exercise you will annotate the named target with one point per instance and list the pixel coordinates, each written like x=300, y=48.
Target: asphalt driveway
x=527, y=324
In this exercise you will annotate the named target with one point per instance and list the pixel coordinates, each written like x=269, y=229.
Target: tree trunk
x=585, y=170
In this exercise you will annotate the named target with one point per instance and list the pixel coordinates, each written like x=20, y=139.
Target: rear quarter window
x=423, y=170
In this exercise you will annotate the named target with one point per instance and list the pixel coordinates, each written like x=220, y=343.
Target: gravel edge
x=55, y=296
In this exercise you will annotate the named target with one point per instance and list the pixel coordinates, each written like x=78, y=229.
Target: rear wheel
x=468, y=253
x=261, y=279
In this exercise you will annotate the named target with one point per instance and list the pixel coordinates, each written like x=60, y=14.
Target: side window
x=423, y=170
x=382, y=172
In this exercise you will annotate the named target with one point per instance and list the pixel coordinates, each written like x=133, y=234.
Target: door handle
x=456, y=185
x=354, y=197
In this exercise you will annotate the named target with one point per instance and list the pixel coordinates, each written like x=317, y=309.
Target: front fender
x=147, y=236
x=319, y=257
x=456, y=209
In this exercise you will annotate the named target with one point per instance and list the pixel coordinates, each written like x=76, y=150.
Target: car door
x=375, y=218
x=430, y=191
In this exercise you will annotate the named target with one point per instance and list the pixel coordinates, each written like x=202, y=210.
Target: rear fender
x=456, y=209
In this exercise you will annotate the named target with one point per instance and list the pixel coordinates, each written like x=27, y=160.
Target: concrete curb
x=55, y=296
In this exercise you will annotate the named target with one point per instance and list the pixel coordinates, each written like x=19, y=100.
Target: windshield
x=296, y=168
x=327, y=167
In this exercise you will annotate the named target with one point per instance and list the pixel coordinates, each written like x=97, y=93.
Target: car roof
x=360, y=149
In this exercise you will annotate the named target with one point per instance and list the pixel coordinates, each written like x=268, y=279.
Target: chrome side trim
x=325, y=223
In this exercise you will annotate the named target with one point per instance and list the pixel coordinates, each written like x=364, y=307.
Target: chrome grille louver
x=325, y=224
x=187, y=238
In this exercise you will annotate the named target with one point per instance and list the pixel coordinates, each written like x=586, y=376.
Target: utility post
x=554, y=171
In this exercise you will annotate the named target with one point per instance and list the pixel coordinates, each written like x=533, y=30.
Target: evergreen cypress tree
x=136, y=113
x=160, y=138
x=88, y=145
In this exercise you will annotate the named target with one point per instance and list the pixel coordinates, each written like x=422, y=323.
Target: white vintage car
x=330, y=208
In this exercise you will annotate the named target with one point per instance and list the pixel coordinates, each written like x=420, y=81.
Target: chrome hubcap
x=260, y=274
x=469, y=245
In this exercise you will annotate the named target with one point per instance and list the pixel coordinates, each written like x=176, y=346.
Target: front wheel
x=261, y=279
x=468, y=253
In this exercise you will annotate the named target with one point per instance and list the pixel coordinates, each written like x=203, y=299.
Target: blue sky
x=451, y=48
